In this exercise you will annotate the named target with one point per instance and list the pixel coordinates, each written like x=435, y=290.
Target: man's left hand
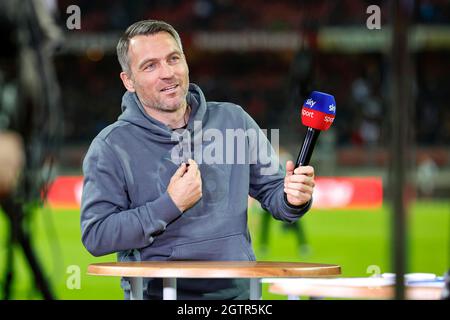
x=298, y=183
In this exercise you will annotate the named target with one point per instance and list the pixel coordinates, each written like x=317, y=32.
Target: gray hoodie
x=126, y=207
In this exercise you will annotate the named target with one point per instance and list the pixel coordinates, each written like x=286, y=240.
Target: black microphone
x=318, y=113
x=304, y=156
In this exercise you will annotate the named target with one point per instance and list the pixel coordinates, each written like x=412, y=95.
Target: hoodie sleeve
x=267, y=178
x=107, y=223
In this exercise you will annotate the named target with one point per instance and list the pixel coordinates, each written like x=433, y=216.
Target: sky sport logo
x=306, y=113
x=328, y=119
x=310, y=102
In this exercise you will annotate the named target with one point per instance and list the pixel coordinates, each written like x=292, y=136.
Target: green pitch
x=357, y=240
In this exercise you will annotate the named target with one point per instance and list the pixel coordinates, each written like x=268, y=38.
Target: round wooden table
x=171, y=270
x=318, y=289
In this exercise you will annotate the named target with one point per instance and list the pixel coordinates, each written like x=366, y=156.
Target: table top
x=214, y=269
x=354, y=292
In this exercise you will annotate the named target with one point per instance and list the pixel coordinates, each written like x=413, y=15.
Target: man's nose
x=166, y=71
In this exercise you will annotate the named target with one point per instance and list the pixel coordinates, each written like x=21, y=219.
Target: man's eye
x=174, y=58
x=150, y=66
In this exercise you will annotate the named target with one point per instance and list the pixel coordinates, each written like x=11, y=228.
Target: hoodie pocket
x=232, y=248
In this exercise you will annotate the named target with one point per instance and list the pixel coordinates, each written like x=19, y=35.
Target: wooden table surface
x=214, y=269
x=353, y=292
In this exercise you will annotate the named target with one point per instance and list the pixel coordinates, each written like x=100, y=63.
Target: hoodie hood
x=133, y=112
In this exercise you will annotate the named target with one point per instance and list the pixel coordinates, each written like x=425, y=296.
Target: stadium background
x=267, y=57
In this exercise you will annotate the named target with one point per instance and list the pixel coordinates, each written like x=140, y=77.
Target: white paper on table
x=386, y=279
x=351, y=282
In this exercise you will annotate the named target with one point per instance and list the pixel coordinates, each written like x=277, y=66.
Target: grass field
x=353, y=239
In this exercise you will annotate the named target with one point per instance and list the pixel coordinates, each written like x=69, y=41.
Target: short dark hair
x=144, y=27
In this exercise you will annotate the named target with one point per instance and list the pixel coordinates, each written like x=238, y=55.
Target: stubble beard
x=160, y=106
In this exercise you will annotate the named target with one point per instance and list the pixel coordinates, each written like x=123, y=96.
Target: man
x=139, y=199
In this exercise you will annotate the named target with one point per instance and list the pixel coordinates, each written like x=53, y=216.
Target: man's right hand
x=185, y=186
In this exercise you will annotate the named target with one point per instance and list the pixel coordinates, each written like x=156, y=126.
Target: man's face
x=159, y=72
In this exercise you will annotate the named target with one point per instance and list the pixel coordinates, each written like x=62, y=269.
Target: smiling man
x=155, y=68
x=139, y=202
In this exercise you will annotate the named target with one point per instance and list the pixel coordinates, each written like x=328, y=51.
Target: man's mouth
x=169, y=89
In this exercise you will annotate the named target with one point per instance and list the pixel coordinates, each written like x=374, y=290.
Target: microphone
x=318, y=113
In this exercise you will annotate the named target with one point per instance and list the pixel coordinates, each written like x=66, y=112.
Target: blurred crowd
x=271, y=86
x=195, y=15
x=265, y=87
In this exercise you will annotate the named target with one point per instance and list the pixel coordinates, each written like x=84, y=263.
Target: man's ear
x=127, y=81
